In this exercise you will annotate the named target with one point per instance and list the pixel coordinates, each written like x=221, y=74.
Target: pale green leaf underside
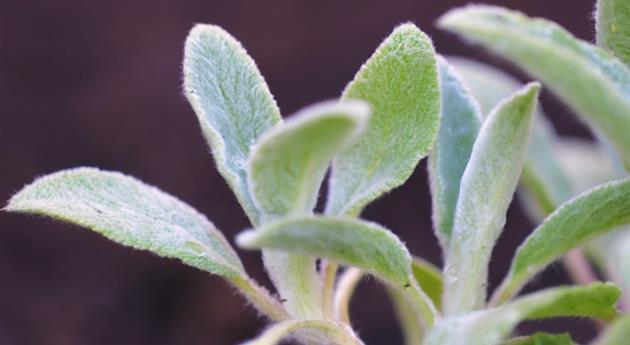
x=573, y=224
x=232, y=102
x=590, y=80
x=358, y=243
x=616, y=334
x=400, y=82
x=542, y=338
x=544, y=182
x=429, y=277
x=613, y=27
x=491, y=326
x=459, y=125
x=288, y=163
x=486, y=191
x=131, y=213
x=349, y=241
x=318, y=331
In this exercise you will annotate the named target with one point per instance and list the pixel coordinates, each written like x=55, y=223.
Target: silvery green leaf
x=346, y=240
x=288, y=163
x=400, y=82
x=232, y=102
x=542, y=338
x=131, y=213
x=492, y=326
x=286, y=168
x=591, y=214
x=585, y=163
x=487, y=187
x=459, y=125
x=544, y=184
x=134, y=214
x=617, y=333
x=316, y=331
x=590, y=80
x=613, y=27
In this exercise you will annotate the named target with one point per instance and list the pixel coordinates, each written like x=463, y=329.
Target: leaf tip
x=247, y=239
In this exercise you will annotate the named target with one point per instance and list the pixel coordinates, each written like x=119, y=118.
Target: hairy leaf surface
x=487, y=186
x=590, y=80
x=459, y=125
x=318, y=331
x=613, y=27
x=232, y=102
x=400, y=82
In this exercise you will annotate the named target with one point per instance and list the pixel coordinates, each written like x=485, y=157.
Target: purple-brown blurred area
x=97, y=83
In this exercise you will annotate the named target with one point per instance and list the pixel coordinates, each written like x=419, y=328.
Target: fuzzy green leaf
x=542, y=338
x=617, y=334
x=613, y=27
x=232, y=102
x=573, y=224
x=544, y=181
x=487, y=186
x=131, y=213
x=346, y=240
x=459, y=125
x=316, y=331
x=491, y=326
x=288, y=163
x=590, y=80
x=400, y=82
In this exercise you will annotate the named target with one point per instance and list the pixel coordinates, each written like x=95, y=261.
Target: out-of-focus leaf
x=491, y=326
x=429, y=278
x=617, y=334
x=573, y=224
x=542, y=338
x=400, y=82
x=613, y=27
x=288, y=163
x=232, y=102
x=590, y=80
x=348, y=241
x=317, y=331
x=488, y=184
x=459, y=125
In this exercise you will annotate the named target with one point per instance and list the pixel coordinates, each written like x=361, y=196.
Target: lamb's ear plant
x=405, y=103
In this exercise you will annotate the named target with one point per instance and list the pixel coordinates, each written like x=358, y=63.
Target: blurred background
x=86, y=83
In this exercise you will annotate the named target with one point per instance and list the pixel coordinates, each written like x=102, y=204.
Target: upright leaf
x=460, y=123
x=232, y=102
x=348, y=241
x=591, y=81
x=318, y=331
x=491, y=326
x=288, y=164
x=613, y=27
x=573, y=224
x=400, y=82
x=544, y=180
x=486, y=191
x=286, y=168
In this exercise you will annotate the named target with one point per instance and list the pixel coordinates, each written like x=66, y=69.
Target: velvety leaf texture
x=288, y=164
x=491, y=326
x=232, y=102
x=613, y=27
x=487, y=186
x=459, y=125
x=573, y=224
x=400, y=82
x=131, y=213
x=349, y=241
x=317, y=331
x=590, y=80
